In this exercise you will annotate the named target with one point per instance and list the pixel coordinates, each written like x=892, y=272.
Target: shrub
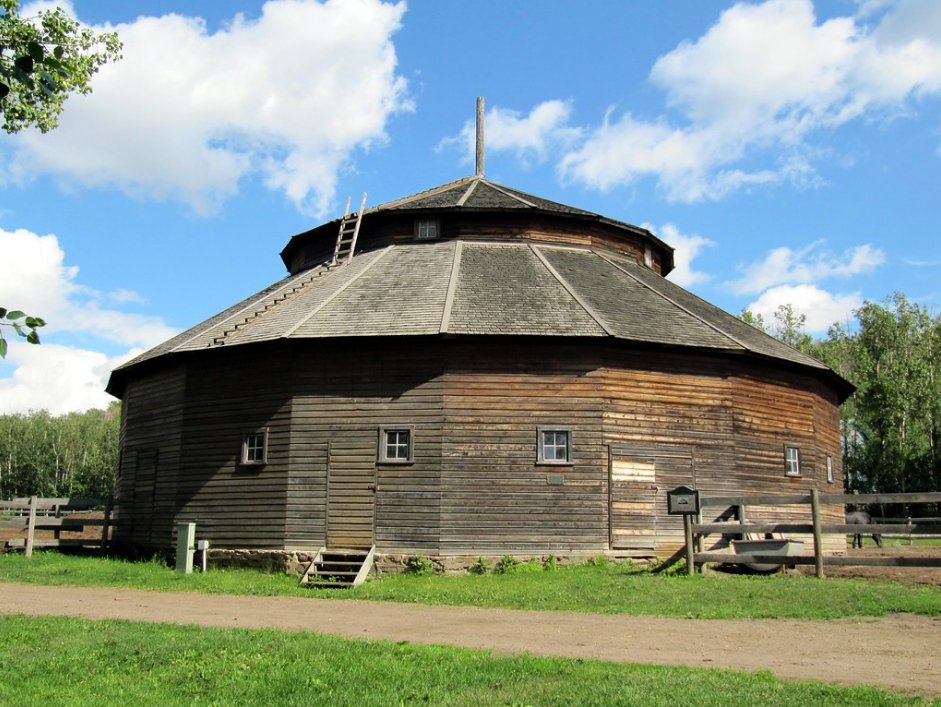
x=480, y=567
x=505, y=565
x=419, y=565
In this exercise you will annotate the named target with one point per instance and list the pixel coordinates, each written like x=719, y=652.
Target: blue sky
x=790, y=150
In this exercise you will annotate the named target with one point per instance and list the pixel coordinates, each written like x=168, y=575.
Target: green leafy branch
x=43, y=60
x=22, y=324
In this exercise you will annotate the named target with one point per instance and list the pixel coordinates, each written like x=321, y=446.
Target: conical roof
x=482, y=287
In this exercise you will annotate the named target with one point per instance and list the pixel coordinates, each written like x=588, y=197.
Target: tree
x=43, y=60
x=25, y=328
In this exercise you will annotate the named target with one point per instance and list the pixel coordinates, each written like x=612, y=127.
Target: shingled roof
x=481, y=288
x=477, y=194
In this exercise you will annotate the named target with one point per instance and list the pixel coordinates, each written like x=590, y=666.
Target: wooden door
x=640, y=476
x=632, y=502
x=351, y=493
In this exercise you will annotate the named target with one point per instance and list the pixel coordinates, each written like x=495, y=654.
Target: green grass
x=77, y=662
x=610, y=588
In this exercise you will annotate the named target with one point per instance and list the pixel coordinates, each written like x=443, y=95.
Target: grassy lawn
x=602, y=588
x=120, y=663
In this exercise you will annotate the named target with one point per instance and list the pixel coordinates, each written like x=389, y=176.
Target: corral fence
x=58, y=515
x=732, y=522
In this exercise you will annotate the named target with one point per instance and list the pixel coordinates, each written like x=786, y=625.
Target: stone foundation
x=296, y=561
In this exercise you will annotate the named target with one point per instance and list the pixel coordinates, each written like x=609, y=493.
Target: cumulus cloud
x=756, y=86
x=808, y=265
x=187, y=113
x=686, y=249
x=821, y=308
x=531, y=137
x=53, y=376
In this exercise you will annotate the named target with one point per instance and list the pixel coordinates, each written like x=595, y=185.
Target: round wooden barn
x=469, y=371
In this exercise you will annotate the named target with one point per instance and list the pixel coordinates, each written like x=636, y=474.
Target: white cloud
x=529, y=137
x=187, y=113
x=687, y=248
x=807, y=265
x=59, y=379
x=756, y=86
x=53, y=376
x=821, y=308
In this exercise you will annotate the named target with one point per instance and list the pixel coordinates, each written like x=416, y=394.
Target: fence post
x=30, y=526
x=818, y=535
x=688, y=530
x=107, y=524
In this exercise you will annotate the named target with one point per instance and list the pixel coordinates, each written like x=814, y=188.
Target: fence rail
x=742, y=528
x=34, y=513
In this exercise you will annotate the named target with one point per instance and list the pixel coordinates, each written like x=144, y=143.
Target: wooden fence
x=737, y=505
x=56, y=514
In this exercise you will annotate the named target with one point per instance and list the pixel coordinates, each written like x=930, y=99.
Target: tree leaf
x=24, y=64
x=4, y=90
x=32, y=337
x=39, y=321
x=15, y=314
x=3, y=312
x=58, y=52
x=19, y=329
x=3, y=348
x=36, y=51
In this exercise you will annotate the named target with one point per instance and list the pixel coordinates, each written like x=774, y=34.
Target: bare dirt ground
x=897, y=652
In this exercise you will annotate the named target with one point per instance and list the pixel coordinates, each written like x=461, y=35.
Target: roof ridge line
x=289, y=281
x=599, y=320
x=340, y=290
x=421, y=194
x=470, y=190
x=672, y=301
x=452, y=288
x=510, y=194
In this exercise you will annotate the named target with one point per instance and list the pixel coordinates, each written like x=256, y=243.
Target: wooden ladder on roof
x=349, y=232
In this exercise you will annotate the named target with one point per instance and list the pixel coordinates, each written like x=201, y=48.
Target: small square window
x=792, y=461
x=395, y=445
x=554, y=445
x=427, y=229
x=829, y=469
x=255, y=448
x=648, y=256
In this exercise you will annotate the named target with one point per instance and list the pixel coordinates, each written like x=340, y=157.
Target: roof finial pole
x=480, y=136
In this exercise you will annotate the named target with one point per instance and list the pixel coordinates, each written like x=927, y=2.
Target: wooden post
x=741, y=519
x=107, y=524
x=31, y=526
x=688, y=530
x=818, y=536
x=480, y=136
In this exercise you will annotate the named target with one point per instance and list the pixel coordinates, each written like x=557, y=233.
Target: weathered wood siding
x=343, y=393
x=152, y=428
x=496, y=498
x=642, y=423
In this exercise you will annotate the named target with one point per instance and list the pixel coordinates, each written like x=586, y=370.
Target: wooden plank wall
x=496, y=499
x=344, y=391
x=151, y=432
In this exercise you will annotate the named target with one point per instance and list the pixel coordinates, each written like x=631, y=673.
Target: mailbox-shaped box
x=683, y=501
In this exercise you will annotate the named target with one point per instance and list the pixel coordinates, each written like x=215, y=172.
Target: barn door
x=632, y=502
x=640, y=476
x=351, y=494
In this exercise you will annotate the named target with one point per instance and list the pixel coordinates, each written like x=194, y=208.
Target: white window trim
x=540, y=445
x=264, y=448
x=830, y=469
x=384, y=430
x=418, y=229
x=787, y=466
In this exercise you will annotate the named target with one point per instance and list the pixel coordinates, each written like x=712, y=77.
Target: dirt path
x=899, y=652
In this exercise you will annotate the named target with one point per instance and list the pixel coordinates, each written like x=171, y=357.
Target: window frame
x=245, y=460
x=541, y=432
x=796, y=473
x=419, y=222
x=382, y=456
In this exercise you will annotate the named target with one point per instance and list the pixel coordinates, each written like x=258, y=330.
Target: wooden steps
x=339, y=568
